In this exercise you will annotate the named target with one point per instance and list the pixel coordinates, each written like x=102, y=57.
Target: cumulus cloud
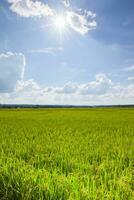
x=100, y=91
x=100, y=86
x=68, y=88
x=81, y=22
x=26, y=86
x=30, y=8
x=12, y=66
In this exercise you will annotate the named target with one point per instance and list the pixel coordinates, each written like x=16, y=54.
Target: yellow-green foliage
x=67, y=154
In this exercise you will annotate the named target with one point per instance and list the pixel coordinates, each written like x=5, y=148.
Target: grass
x=67, y=154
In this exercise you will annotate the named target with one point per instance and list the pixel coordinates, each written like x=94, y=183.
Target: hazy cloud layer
x=12, y=66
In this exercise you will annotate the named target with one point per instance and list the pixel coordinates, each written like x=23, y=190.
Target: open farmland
x=67, y=154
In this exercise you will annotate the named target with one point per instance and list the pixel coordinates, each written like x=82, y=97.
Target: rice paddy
x=67, y=154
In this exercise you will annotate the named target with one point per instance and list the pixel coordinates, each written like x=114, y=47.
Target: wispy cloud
x=129, y=69
x=81, y=21
x=48, y=50
x=66, y=3
x=131, y=78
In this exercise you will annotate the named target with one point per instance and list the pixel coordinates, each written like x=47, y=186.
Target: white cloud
x=100, y=91
x=90, y=14
x=13, y=89
x=81, y=22
x=100, y=86
x=129, y=69
x=26, y=86
x=48, y=50
x=68, y=88
x=30, y=8
x=66, y=3
x=12, y=66
x=130, y=78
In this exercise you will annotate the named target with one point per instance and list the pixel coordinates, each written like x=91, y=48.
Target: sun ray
x=60, y=22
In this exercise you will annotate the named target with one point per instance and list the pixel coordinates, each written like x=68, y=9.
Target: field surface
x=67, y=154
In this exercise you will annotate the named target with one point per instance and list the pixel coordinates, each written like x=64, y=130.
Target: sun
x=60, y=22
x=60, y=27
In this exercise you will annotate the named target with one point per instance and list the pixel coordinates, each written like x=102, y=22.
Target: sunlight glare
x=60, y=22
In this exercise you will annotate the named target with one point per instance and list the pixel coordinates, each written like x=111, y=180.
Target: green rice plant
x=67, y=154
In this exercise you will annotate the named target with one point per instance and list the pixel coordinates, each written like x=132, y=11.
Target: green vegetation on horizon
x=67, y=154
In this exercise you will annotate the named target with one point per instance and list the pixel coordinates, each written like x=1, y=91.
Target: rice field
x=67, y=154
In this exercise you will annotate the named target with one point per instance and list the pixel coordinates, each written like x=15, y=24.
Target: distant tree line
x=18, y=106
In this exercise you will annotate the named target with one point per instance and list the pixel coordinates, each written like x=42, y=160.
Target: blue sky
x=67, y=51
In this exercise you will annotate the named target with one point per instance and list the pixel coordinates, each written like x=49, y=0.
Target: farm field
x=67, y=154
